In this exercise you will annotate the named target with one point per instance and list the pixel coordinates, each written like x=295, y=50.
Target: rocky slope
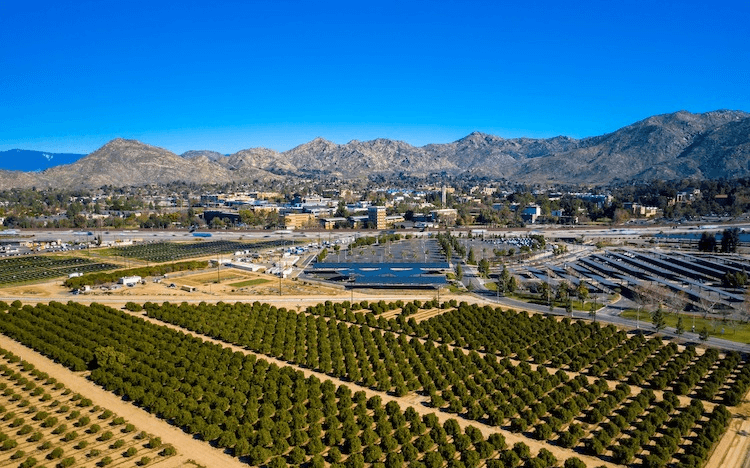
x=670, y=146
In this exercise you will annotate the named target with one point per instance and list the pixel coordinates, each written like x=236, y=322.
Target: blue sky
x=193, y=75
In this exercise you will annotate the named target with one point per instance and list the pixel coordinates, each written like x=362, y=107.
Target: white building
x=129, y=280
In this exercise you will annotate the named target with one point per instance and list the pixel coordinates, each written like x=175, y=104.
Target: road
x=610, y=313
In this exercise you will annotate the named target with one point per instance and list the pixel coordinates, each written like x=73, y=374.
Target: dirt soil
x=189, y=450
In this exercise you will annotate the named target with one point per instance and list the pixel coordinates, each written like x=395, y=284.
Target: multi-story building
x=376, y=216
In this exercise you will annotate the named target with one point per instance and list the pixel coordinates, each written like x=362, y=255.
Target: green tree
x=707, y=242
x=582, y=292
x=703, y=334
x=484, y=267
x=730, y=239
x=563, y=292
x=658, y=321
x=471, y=259
x=574, y=462
x=544, y=291
x=512, y=285
x=679, y=329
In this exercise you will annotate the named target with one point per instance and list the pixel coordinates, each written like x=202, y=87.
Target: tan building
x=298, y=220
x=446, y=215
x=262, y=208
x=330, y=223
x=376, y=216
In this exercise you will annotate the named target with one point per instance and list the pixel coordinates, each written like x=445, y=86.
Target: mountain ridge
x=667, y=146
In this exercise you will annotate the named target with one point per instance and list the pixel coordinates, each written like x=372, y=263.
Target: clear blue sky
x=193, y=75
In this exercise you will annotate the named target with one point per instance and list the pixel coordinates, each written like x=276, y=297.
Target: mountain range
x=669, y=147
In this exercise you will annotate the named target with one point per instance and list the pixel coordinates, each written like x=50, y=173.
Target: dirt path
x=187, y=447
x=733, y=451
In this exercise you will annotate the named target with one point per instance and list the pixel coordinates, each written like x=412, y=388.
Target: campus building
x=376, y=217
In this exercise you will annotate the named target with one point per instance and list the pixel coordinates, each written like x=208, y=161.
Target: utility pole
x=281, y=268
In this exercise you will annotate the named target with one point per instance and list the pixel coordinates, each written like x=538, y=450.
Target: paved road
x=610, y=313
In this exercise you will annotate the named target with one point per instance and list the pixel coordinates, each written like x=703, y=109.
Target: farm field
x=558, y=385
x=33, y=268
x=44, y=423
x=172, y=251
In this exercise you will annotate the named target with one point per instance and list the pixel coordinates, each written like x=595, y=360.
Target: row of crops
x=541, y=402
x=171, y=251
x=36, y=267
x=42, y=422
x=571, y=346
x=268, y=415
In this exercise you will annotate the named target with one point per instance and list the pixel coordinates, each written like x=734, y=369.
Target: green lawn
x=534, y=299
x=733, y=330
x=252, y=282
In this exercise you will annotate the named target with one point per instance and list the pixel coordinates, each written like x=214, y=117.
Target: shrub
x=56, y=453
x=28, y=463
x=24, y=430
x=574, y=462
x=154, y=442
x=168, y=451
x=60, y=429
x=8, y=444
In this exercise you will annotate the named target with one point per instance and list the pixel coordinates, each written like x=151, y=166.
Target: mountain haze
x=670, y=146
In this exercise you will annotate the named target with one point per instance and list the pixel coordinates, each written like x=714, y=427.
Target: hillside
x=670, y=146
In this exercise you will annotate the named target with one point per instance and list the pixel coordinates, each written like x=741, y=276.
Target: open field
x=251, y=282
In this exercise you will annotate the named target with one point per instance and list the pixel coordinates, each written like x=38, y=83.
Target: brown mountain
x=657, y=147
x=123, y=163
x=670, y=146
x=211, y=155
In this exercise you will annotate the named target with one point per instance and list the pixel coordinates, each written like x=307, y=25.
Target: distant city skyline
x=277, y=74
